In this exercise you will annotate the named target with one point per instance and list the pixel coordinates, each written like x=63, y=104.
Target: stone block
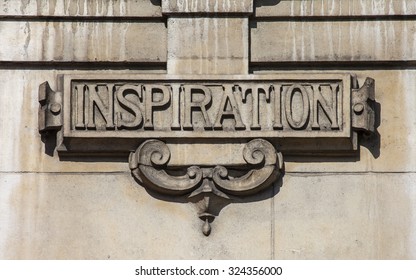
x=207, y=7
x=98, y=216
x=56, y=216
x=312, y=41
x=81, y=8
x=341, y=216
x=83, y=41
x=207, y=45
x=334, y=8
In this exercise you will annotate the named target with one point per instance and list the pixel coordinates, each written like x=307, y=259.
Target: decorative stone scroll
x=149, y=165
x=259, y=118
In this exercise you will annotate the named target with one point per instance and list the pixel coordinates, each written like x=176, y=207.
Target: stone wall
x=359, y=207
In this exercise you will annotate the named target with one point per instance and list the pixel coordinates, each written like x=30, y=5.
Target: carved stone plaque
x=312, y=109
x=257, y=107
x=246, y=125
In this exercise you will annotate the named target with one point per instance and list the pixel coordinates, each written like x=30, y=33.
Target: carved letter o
x=291, y=91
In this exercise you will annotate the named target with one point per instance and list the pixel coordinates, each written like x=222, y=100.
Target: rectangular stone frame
x=292, y=142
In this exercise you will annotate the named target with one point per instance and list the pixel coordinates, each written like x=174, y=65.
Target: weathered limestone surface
x=334, y=8
x=83, y=41
x=98, y=216
x=348, y=216
x=339, y=208
x=309, y=41
x=81, y=8
x=214, y=46
x=216, y=6
x=312, y=216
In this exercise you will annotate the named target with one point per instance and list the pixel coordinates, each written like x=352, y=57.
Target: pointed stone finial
x=206, y=228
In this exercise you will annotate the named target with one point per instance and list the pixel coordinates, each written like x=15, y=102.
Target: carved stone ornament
x=246, y=123
x=148, y=165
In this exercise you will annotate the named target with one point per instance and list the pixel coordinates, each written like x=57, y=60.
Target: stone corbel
x=50, y=108
x=363, y=106
x=206, y=185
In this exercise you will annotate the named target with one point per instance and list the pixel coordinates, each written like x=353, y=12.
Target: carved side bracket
x=148, y=165
x=50, y=109
x=363, y=107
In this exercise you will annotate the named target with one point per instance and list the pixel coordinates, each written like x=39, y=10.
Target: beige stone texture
x=212, y=6
x=81, y=8
x=207, y=45
x=375, y=40
x=99, y=216
x=334, y=8
x=313, y=216
x=83, y=41
x=345, y=216
x=359, y=207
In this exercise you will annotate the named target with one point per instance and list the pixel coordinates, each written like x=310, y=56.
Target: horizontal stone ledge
x=258, y=67
x=81, y=8
x=160, y=67
x=334, y=8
